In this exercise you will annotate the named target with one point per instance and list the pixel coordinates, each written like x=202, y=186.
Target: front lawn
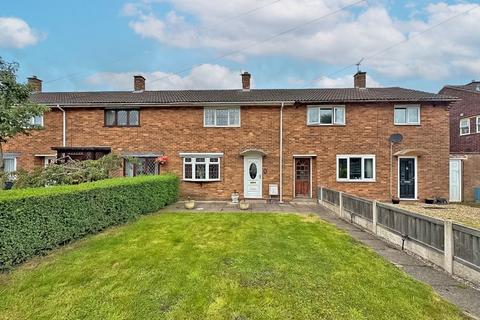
x=217, y=266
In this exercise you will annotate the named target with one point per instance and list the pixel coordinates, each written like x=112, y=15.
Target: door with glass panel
x=407, y=174
x=302, y=177
x=253, y=177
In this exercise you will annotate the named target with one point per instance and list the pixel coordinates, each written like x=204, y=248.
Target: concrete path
x=467, y=298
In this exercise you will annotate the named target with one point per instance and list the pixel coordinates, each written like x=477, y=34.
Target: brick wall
x=469, y=106
x=180, y=129
x=471, y=174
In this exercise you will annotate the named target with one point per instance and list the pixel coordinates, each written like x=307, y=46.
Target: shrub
x=71, y=172
x=39, y=219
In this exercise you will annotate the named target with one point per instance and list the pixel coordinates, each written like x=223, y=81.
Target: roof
x=192, y=97
x=473, y=86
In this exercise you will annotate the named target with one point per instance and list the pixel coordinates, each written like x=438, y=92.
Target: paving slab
x=431, y=276
x=400, y=259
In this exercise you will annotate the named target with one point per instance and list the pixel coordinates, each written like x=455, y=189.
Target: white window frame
x=32, y=121
x=363, y=157
x=207, y=157
x=334, y=109
x=47, y=159
x=468, y=126
x=407, y=107
x=228, y=108
x=14, y=163
x=478, y=124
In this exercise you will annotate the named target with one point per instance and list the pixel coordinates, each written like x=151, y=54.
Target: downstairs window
x=357, y=168
x=138, y=166
x=201, y=167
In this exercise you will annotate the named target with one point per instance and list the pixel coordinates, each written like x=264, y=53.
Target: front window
x=407, y=115
x=356, y=168
x=320, y=115
x=36, y=121
x=221, y=117
x=10, y=165
x=478, y=124
x=464, y=126
x=122, y=118
x=139, y=166
x=201, y=168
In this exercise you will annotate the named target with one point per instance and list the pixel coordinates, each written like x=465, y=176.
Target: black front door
x=407, y=178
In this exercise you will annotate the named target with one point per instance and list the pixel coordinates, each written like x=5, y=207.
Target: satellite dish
x=396, y=138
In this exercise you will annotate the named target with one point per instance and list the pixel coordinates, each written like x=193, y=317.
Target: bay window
x=201, y=167
x=325, y=115
x=356, y=168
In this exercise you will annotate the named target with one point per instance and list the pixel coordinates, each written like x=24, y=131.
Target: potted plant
x=189, y=204
x=235, y=196
x=395, y=200
x=244, y=205
x=162, y=160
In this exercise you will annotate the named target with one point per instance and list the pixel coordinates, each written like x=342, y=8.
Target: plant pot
x=244, y=205
x=395, y=200
x=8, y=185
x=235, y=197
x=429, y=201
x=190, y=204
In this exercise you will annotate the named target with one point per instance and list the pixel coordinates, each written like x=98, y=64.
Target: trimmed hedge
x=36, y=220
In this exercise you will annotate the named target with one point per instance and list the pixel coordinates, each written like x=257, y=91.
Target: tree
x=16, y=108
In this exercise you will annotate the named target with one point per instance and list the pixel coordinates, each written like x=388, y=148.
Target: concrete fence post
x=374, y=216
x=320, y=199
x=448, y=247
x=340, y=207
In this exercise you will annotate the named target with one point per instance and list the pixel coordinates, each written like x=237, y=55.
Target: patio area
x=255, y=206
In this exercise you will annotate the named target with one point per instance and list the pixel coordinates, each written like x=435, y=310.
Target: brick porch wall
x=180, y=129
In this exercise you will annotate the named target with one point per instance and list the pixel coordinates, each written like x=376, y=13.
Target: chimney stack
x=246, y=81
x=138, y=83
x=35, y=84
x=360, y=80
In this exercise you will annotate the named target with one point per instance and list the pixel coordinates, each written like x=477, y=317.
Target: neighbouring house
x=464, y=140
x=280, y=143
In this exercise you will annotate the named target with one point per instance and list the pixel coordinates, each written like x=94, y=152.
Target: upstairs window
x=122, y=118
x=201, y=167
x=319, y=115
x=465, y=126
x=355, y=168
x=407, y=115
x=36, y=121
x=221, y=117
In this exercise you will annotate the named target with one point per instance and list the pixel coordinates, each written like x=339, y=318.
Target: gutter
x=64, y=125
x=281, y=153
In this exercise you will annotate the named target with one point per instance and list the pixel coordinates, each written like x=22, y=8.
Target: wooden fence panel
x=466, y=244
x=331, y=196
x=358, y=206
x=426, y=230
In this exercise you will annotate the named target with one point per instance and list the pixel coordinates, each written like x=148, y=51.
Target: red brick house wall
x=180, y=129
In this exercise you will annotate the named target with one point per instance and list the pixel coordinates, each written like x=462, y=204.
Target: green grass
x=217, y=266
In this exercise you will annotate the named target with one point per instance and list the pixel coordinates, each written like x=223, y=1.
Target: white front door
x=252, y=174
x=455, y=180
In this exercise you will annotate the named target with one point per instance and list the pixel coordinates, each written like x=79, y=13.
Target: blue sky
x=99, y=45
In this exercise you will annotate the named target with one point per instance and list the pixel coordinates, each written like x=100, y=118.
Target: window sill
x=325, y=125
x=357, y=181
x=408, y=124
x=121, y=126
x=221, y=126
x=201, y=181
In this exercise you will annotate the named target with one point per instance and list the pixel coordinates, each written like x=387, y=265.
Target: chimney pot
x=246, y=81
x=138, y=83
x=360, y=80
x=35, y=84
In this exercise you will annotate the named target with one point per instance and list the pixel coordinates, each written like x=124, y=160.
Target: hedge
x=35, y=220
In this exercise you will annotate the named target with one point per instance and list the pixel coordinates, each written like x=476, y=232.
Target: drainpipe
x=64, y=126
x=281, y=152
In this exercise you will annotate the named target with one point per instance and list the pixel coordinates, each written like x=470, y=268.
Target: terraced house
x=279, y=143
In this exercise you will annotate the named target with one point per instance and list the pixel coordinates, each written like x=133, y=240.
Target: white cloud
x=343, y=82
x=16, y=33
x=339, y=40
x=205, y=76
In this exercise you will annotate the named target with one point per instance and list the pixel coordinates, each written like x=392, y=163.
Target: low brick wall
x=471, y=176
